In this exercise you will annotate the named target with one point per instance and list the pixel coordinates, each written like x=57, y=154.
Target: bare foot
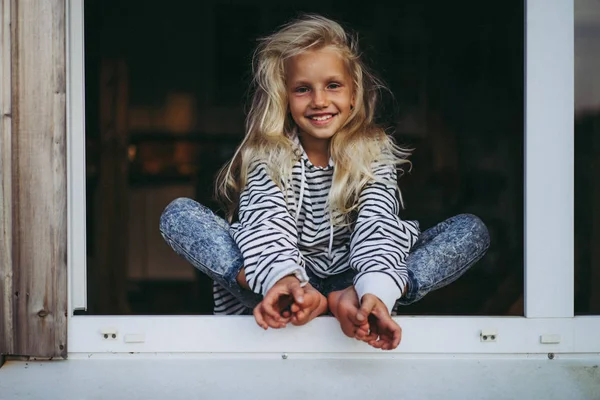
x=344, y=306
x=314, y=304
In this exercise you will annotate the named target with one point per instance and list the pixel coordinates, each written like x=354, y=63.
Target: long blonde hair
x=270, y=128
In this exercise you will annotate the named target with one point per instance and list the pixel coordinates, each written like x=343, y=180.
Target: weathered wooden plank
x=38, y=189
x=6, y=276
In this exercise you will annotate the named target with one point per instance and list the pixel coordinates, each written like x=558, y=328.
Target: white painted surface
x=240, y=334
x=272, y=377
x=549, y=144
x=76, y=181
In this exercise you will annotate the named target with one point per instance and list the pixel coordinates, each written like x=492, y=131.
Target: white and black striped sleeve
x=266, y=234
x=381, y=240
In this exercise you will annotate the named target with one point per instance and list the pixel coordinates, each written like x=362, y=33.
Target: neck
x=317, y=152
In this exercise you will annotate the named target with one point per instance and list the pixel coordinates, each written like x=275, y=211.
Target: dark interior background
x=587, y=156
x=166, y=85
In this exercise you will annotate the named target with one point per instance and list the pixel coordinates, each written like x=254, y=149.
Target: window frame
x=549, y=275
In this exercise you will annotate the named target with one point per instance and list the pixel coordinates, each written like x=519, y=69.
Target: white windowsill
x=271, y=377
x=236, y=334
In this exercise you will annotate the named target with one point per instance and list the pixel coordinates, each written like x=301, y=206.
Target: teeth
x=323, y=118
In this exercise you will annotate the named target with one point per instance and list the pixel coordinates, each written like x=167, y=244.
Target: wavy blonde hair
x=270, y=129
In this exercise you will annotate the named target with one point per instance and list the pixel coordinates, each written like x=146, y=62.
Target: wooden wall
x=33, y=169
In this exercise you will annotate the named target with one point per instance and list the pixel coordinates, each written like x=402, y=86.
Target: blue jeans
x=440, y=256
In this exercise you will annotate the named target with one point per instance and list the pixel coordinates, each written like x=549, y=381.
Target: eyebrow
x=336, y=78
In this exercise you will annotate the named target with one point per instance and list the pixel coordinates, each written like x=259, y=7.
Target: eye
x=301, y=89
x=334, y=85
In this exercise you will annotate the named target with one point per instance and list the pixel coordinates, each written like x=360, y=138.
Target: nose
x=319, y=99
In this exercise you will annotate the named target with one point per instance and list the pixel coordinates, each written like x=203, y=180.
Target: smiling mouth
x=321, y=119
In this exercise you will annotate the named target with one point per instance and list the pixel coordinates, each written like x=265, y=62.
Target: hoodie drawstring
x=302, y=178
x=330, y=236
x=302, y=182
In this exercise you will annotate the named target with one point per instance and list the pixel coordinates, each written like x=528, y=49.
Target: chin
x=319, y=136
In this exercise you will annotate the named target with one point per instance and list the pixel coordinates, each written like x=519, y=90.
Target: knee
x=172, y=212
x=181, y=204
x=476, y=227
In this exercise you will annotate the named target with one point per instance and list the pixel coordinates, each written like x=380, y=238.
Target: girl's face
x=320, y=94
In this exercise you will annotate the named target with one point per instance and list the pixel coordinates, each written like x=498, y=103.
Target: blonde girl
x=312, y=198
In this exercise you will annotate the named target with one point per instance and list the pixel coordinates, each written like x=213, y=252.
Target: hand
x=384, y=332
x=274, y=310
x=344, y=306
x=314, y=304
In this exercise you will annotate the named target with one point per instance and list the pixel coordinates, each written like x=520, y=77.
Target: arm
x=266, y=234
x=381, y=240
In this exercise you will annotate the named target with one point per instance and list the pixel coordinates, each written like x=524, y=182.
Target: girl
x=313, y=192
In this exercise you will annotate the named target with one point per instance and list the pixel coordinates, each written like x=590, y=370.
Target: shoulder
x=263, y=176
x=257, y=168
x=384, y=170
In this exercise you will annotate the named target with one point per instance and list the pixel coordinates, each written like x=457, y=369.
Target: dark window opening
x=166, y=85
x=587, y=158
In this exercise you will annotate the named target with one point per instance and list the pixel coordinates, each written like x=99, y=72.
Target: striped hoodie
x=283, y=232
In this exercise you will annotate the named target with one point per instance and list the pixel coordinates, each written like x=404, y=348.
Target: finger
x=268, y=305
x=378, y=343
x=348, y=328
x=278, y=323
x=259, y=318
x=390, y=343
x=397, y=338
x=390, y=335
x=294, y=308
x=386, y=341
x=274, y=324
x=298, y=320
x=372, y=336
x=300, y=316
x=362, y=330
x=393, y=337
x=353, y=316
x=366, y=335
x=297, y=292
x=367, y=306
x=390, y=328
x=304, y=315
x=267, y=321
